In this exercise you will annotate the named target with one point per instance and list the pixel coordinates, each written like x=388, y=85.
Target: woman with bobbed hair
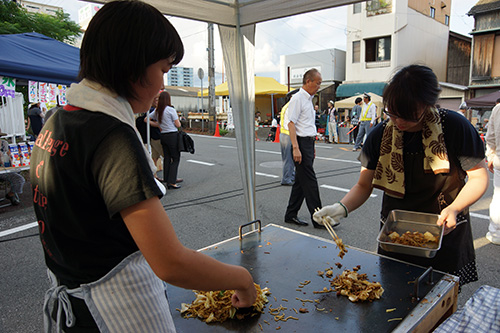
x=165, y=117
x=420, y=157
x=107, y=240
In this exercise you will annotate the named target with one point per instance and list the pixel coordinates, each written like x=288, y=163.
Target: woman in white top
x=168, y=122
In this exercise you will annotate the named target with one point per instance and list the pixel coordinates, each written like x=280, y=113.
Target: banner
x=33, y=91
x=7, y=87
x=52, y=93
x=62, y=95
x=42, y=91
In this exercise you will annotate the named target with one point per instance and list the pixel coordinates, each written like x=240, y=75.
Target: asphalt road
x=208, y=209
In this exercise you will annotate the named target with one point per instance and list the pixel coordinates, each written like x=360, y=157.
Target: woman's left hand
x=448, y=217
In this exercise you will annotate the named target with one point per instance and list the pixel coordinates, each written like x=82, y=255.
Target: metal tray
x=402, y=221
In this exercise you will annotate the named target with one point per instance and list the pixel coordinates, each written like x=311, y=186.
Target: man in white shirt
x=302, y=128
x=366, y=120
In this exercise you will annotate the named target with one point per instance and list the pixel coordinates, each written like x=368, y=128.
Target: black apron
x=430, y=193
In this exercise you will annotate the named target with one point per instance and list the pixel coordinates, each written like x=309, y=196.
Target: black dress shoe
x=318, y=226
x=173, y=186
x=297, y=221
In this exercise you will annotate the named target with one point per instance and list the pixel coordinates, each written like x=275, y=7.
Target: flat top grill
x=280, y=258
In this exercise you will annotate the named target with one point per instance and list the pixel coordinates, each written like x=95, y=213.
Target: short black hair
x=122, y=40
x=412, y=88
x=359, y=99
x=498, y=100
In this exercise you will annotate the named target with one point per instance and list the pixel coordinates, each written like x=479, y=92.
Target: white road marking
x=200, y=162
x=18, y=229
x=337, y=160
x=266, y=175
x=343, y=189
x=279, y=153
x=480, y=216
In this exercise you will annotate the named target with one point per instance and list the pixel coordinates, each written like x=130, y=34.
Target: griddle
x=281, y=258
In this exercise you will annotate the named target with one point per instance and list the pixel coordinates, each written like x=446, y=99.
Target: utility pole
x=211, y=79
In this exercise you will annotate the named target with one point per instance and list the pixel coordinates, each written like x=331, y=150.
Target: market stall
x=284, y=260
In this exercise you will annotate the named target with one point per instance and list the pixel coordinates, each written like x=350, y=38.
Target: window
x=378, y=49
x=356, y=8
x=356, y=49
x=433, y=12
x=447, y=20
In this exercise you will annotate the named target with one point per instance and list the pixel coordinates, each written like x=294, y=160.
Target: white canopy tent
x=236, y=20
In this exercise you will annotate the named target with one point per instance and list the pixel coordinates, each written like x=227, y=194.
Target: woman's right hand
x=244, y=298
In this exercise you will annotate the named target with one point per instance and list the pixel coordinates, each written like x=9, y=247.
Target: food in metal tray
x=215, y=306
x=415, y=238
x=356, y=286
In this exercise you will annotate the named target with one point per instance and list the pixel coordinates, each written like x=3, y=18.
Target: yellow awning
x=263, y=86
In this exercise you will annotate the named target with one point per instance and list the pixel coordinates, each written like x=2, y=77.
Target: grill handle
x=240, y=231
x=420, y=279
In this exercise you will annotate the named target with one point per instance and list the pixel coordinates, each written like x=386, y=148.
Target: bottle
x=5, y=160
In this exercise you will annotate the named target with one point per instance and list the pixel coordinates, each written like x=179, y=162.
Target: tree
x=15, y=20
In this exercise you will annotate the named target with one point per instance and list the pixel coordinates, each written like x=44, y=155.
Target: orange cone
x=217, y=133
x=277, y=134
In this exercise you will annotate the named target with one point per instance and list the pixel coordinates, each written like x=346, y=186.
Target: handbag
x=185, y=142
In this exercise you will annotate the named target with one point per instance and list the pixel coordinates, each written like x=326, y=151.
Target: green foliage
x=15, y=20
x=223, y=131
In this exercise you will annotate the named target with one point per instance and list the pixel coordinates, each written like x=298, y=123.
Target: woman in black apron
x=420, y=156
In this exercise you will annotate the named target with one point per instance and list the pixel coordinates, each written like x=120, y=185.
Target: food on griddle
x=356, y=286
x=215, y=306
x=341, y=247
x=415, y=238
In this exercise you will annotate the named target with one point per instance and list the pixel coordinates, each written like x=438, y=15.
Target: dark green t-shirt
x=86, y=167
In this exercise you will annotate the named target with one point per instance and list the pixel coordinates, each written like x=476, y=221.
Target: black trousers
x=306, y=184
x=171, y=156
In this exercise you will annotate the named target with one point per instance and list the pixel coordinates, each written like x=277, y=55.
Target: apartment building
x=180, y=76
x=384, y=35
x=35, y=7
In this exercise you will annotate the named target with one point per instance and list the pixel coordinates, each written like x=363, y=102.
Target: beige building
x=35, y=7
x=384, y=35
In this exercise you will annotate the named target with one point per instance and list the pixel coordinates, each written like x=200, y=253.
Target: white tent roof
x=236, y=20
x=228, y=12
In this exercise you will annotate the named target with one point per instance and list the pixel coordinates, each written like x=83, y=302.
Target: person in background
x=288, y=169
x=332, y=123
x=107, y=240
x=368, y=118
x=154, y=137
x=356, y=113
x=168, y=122
x=15, y=180
x=493, y=156
x=463, y=109
x=301, y=124
x=421, y=157
x=256, y=125
x=36, y=116
x=52, y=111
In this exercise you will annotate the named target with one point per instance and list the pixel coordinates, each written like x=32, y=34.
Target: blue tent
x=33, y=56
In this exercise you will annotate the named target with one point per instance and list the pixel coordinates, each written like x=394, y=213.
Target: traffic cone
x=482, y=136
x=217, y=133
x=277, y=134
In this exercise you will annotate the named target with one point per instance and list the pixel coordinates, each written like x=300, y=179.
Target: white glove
x=332, y=214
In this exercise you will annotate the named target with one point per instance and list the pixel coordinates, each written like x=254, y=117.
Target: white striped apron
x=130, y=298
